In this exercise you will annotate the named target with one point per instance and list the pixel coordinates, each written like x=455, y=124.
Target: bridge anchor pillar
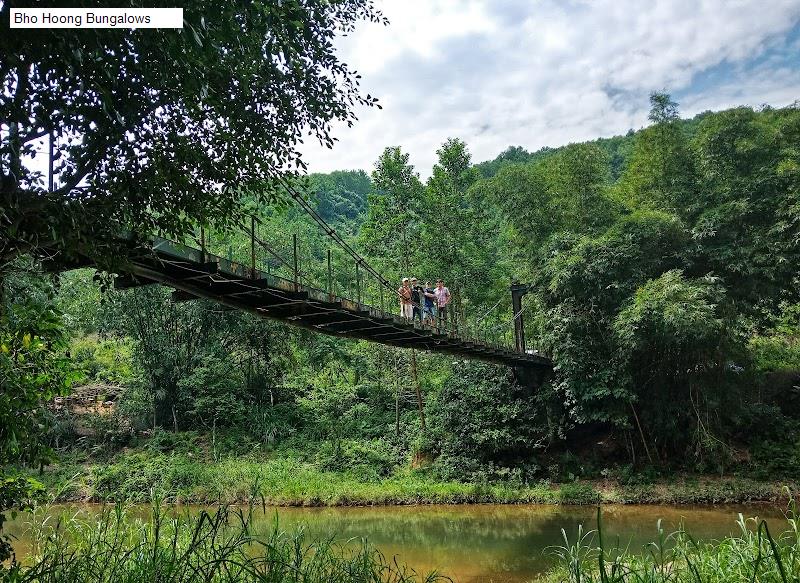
x=517, y=291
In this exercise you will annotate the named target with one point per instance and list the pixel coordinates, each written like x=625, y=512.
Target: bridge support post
x=330, y=278
x=252, y=246
x=358, y=286
x=517, y=291
x=294, y=252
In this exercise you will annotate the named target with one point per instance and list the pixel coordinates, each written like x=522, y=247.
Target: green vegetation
x=663, y=287
x=126, y=139
x=185, y=468
x=222, y=546
x=133, y=149
x=754, y=555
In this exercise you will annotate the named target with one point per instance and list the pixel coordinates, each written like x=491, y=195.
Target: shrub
x=578, y=493
x=367, y=460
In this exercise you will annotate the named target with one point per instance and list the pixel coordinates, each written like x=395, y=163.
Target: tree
x=577, y=176
x=451, y=225
x=485, y=420
x=580, y=285
x=157, y=130
x=661, y=173
x=745, y=226
x=170, y=340
x=341, y=196
x=675, y=339
x=521, y=193
x=154, y=131
x=33, y=370
x=391, y=228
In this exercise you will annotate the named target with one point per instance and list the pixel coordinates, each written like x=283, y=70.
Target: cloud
x=500, y=72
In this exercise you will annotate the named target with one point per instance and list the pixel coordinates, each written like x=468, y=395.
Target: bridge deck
x=198, y=274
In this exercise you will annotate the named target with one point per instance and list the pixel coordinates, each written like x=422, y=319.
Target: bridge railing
x=335, y=272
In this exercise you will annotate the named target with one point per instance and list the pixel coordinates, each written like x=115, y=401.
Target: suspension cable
x=489, y=311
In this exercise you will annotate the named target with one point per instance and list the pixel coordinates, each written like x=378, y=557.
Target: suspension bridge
x=281, y=285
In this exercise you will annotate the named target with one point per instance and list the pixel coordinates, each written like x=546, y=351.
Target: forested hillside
x=663, y=266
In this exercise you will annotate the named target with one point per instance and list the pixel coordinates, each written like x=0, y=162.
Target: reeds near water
x=227, y=545
x=209, y=547
x=753, y=555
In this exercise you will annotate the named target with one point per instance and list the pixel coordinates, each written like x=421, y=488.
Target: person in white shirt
x=406, y=307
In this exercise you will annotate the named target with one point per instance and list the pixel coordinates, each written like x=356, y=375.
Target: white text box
x=96, y=18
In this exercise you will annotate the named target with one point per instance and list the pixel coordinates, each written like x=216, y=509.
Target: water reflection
x=480, y=542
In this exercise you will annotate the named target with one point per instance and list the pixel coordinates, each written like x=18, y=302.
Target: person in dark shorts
x=427, y=306
x=417, y=297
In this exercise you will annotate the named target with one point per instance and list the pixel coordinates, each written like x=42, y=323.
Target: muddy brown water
x=477, y=543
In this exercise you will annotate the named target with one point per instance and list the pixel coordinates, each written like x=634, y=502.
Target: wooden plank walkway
x=197, y=274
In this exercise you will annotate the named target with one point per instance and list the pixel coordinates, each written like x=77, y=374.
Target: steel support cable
x=489, y=311
x=331, y=232
x=511, y=321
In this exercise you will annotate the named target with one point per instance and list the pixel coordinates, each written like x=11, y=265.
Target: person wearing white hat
x=406, y=307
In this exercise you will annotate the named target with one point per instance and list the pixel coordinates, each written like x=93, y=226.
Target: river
x=484, y=543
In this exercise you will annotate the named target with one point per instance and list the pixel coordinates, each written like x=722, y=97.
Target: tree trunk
x=397, y=392
x=416, y=388
x=641, y=433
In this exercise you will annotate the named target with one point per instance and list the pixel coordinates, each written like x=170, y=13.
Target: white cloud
x=501, y=72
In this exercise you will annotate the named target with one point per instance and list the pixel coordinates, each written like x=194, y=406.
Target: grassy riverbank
x=138, y=476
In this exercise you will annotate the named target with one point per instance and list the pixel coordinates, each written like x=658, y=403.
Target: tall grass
x=170, y=547
x=753, y=555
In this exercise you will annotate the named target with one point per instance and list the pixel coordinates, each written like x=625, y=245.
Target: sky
x=536, y=73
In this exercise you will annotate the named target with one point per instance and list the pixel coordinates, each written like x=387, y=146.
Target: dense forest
x=664, y=286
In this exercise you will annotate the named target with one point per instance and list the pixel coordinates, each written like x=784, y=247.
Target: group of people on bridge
x=423, y=302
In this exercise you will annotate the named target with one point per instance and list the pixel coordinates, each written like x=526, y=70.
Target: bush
x=107, y=360
x=214, y=392
x=485, y=425
x=271, y=423
x=366, y=460
x=578, y=493
x=162, y=441
x=139, y=477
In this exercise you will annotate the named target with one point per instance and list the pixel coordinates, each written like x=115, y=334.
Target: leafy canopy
x=159, y=129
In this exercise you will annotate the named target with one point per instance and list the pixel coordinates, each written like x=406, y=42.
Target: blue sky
x=539, y=73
